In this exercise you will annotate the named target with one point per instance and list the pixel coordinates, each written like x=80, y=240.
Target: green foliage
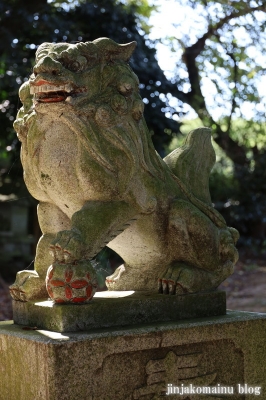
x=102, y=267
x=141, y=7
x=249, y=134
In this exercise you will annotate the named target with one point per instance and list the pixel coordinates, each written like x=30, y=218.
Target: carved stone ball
x=74, y=284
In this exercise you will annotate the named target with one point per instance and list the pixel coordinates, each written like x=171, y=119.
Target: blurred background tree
x=216, y=53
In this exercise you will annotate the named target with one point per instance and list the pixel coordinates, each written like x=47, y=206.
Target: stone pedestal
x=137, y=362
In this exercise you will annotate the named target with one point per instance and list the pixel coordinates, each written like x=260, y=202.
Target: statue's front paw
x=177, y=279
x=68, y=247
x=28, y=286
x=181, y=278
x=113, y=281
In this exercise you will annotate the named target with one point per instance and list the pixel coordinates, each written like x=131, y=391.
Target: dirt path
x=246, y=289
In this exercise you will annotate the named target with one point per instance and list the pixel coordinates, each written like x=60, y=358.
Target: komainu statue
x=89, y=160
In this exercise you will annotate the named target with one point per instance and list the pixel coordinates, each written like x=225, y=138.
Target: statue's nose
x=47, y=65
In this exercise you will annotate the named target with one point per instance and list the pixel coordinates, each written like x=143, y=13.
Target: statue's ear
x=111, y=50
x=42, y=50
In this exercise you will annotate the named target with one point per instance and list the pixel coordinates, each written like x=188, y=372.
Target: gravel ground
x=246, y=289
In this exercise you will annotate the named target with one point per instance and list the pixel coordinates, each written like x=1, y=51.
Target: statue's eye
x=74, y=66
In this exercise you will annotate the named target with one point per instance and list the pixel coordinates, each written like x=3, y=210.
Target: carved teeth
x=68, y=87
x=50, y=88
x=69, y=99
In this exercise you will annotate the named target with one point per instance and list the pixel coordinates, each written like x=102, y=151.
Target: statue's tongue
x=51, y=97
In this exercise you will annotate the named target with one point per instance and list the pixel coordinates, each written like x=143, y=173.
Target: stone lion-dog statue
x=89, y=160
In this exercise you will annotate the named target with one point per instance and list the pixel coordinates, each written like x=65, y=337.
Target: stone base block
x=110, y=308
x=137, y=363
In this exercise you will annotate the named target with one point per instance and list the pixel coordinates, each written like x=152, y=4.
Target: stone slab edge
x=230, y=319
x=112, y=312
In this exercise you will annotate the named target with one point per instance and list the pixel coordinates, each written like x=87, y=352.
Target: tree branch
x=196, y=48
x=233, y=106
x=195, y=98
x=190, y=53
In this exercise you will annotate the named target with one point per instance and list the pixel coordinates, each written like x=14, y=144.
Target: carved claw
x=68, y=247
x=111, y=281
x=16, y=293
x=28, y=286
x=169, y=283
x=181, y=278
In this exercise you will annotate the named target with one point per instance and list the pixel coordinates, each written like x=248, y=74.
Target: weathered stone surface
x=89, y=160
x=135, y=362
x=114, y=309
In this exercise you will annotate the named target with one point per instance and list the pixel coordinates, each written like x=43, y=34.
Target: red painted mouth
x=47, y=92
x=53, y=97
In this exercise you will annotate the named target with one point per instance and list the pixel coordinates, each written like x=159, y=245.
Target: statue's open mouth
x=46, y=92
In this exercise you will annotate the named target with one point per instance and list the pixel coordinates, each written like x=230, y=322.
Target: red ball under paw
x=76, y=284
